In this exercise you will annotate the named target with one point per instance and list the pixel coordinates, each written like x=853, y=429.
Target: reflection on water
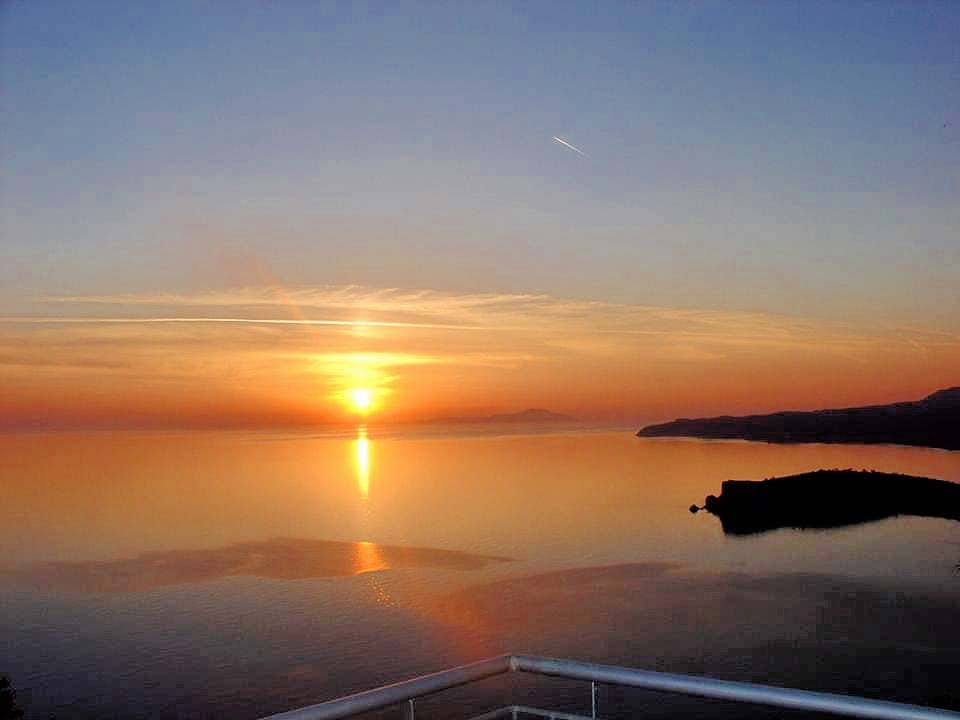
x=366, y=613
x=279, y=558
x=361, y=451
x=559, y=500
x=368, y=558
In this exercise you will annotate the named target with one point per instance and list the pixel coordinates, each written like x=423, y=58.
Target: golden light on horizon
x=361, y=382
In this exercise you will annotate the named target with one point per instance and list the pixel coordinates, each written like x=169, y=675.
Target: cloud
x=291, y=355
x=358, y=307
x=32, y=360
x=92, y=320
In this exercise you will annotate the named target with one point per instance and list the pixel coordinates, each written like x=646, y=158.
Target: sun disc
x=361, y=399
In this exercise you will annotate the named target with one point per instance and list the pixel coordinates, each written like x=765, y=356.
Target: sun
x=361, y=399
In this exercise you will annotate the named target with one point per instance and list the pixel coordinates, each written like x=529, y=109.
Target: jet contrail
x=575, y=149
x=55, y=320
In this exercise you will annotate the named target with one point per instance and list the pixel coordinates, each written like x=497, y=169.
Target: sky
x=765, y=214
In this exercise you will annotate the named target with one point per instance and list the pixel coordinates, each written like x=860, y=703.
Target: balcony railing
x=407, y=692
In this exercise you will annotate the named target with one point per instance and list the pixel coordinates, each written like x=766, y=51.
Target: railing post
x=408, y=711
x=593, y=699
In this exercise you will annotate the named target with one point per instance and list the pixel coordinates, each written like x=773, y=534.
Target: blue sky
x=797, y=158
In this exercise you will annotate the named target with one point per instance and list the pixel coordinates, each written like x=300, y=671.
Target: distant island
x=530, y=415
x=931, y=422
x=829, y=498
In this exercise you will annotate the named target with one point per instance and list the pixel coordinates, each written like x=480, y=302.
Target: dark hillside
x=931, y=422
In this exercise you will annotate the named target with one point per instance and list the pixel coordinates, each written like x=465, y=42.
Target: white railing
x=408, y=691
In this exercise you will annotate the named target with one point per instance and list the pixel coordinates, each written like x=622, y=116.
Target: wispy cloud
x=354, y=306
x=93, y=320
x=295, y=354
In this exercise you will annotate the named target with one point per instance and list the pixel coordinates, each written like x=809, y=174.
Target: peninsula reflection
x=278, y=558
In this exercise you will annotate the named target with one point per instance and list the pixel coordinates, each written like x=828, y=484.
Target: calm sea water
x=212, y=575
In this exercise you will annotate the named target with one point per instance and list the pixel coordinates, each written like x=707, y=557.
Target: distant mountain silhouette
x=829, y=498
x=931, y=422
x=530, y=415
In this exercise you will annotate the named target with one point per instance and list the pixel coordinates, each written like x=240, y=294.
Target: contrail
x=48, y=320
x=575, y=149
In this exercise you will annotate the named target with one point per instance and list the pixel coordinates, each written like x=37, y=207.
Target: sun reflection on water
x=361, y=449
x=368, y=558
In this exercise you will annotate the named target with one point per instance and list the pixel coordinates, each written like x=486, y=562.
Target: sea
x=238, y=574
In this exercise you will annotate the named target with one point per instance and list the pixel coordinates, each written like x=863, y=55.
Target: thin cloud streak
x=722, y=333
x=249, y=321
x=536, y=314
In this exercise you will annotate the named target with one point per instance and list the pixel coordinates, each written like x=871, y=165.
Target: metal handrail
x=754, y=693
x=399, y=692
x=848, y=705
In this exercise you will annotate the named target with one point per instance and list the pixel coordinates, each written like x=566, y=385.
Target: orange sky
x=807, y=204
x=263, y=357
